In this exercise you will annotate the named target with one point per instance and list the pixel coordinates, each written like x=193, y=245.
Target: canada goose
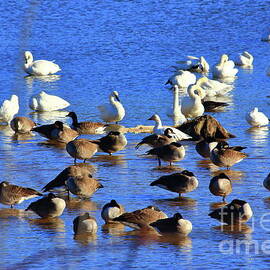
x=46, y=130
x=111, y=210
x=202, y=148
x=39, y=67
x=22, y=124
x=180, y=183
x=156, y=140
x=114, y=111
x=71, y=171
x=256, y=118
x=238, y=211
x=84, y=223
x=86, y=127
x=44, y=102
x=141, y=217
x=225, y=156
x=225, y=68
x=266, y=182
x=113, y=142
x=81, y=149
x=171, y=152
x=9, y=108
x=160, y=129
x=213, y=106
x=244, y=59
x=220, y=185
x=175, y=224
x=12, y=194
x=82, y=185
x=48, y=207
x=182, y=79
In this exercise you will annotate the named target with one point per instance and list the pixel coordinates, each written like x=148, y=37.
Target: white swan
x=159, y=129
x=225, y=68
x=256, y=118
x=182, y=79
x=192, y=106
x=175, y=113
x=213, y=87
x=244, y=59
x=39, y=67
x=44, y=102
x=9, y=108
x=113, y=111
x=193, y=64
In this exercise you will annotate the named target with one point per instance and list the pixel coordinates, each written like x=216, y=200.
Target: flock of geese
x=190, y=124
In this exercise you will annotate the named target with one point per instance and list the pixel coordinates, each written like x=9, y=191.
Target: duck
x=113, y=142
x=155, y=140
x=22, y=124
x=193, y=64
x=220, y=185
x=192, y=106
x=141, y=218
x=159, y=129
x=176, y=113
x=81, y=149
x=238, y=211
x=175, y=224
x=86, y=127
x=225, y=156
x=182, y=78
x=39, y=67
x=84, y=224
x=244, y=59
x=225, y=68
x=180, y=183
x=256, y=118
x=79, y=170
x=9, y=108
x=12, y=194
x=49, y=206
x=170, y=152
x=44, y=102
x=111, y=210
x=266, y=182
x=114, y=111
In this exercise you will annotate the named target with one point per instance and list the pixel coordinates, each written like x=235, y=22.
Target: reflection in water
x=168, y=169
x=184, y=203
x=12, y=212
x=49, y=78
x=85, y=239
x=78, y=204
x=53, y=144
x=6, y=130
x=110, y=160
x=23, y=137
x=116, y=228
x=267, y=202
x=53, y=224
x=177, y=240
x=50, y=117
x=232, y=174
x=234, y=229
x=259, y=135
x=217, y=205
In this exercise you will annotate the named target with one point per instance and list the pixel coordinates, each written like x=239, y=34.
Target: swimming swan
x=225, y=68
x=244, y=59
x=193, y=64
x=9, y=108
x=256, y=118
x=182, y=79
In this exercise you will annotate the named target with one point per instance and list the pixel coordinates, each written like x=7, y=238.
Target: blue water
x=129, y=46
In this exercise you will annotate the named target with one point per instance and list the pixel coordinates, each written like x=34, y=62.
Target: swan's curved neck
x=176, y=105
x=191, y=92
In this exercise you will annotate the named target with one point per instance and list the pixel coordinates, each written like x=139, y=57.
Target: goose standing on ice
x=39, y=67
x=9, y=108
x=225, y=68
x=256, y=118
x=113, y=111
x=244, y=59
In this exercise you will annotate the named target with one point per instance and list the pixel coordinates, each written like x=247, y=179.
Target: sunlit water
x=129, y=46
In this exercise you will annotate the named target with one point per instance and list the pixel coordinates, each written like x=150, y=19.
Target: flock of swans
x=190, y=124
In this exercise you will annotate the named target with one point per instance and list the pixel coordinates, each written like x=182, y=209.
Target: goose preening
x=175, y=224
x=256, y=118
x=244, y=59
x=86, y=127
x=44, y=102
x=238, y=211
x=142, y=217
x=39, y=67
x=225, y=68
x=160, y=129
x=172, y=152
x=111, y=210
x=48, y=207
x=113, y=111
x=175, y=113
x=46, y=130
x=156, y=140
x=113, y=142
x=81, y=149
x=193, y=64
x=13, y=194
x=182, y=79
x=9, y=108
x=84, y=224
x=180, y=183
x=220, y=185
x=22, y=124
x=266, y=182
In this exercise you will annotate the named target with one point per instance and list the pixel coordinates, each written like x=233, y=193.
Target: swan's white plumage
x=244, y=59
x=225, y=68
x=39, y=67
x=45, y=103
x=256, y=118
x=113, y=111
x=9, y=108
x=182, y=79
x=193, y=63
